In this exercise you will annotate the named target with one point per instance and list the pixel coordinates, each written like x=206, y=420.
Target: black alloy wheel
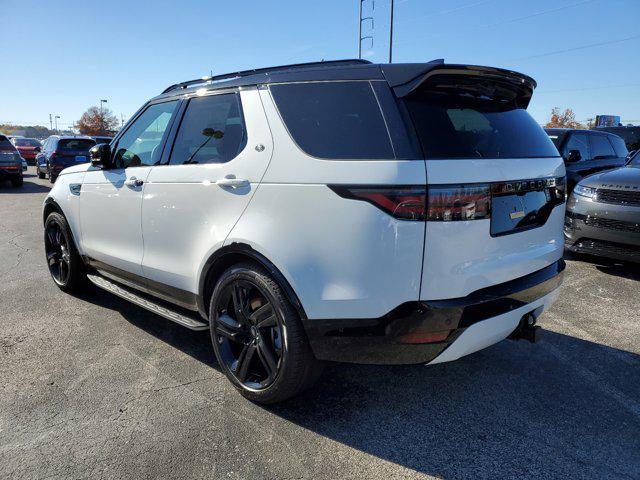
x=249, y=333
x=258, y=336
x=63, y=260
x=58, y=254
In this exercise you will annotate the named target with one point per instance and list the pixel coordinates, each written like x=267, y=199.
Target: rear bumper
x=452, y=328
x=11, y=172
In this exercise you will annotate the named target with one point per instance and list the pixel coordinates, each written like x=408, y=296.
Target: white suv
x=346, y=211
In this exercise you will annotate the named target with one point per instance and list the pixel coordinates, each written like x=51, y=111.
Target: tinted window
x=212, y=131
x=102, y=139
x=334, y=120
x=600, y=147
x=577, y=141
x=5, y=144
x=26, y=142
x=74, y=144
x=139, y=145
x=555, y=139
x=460, y=127
x=619, y=146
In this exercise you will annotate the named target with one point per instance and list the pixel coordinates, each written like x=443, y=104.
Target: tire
x=52, y=178
x=281, y=342
x=17, y=182
x=63, y=260
x=41, y=175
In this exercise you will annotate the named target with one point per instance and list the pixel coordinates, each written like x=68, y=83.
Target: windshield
x=455, y=126
x=26, y=142
x=73, y=144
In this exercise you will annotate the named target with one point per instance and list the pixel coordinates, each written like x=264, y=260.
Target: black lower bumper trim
x=380, y=340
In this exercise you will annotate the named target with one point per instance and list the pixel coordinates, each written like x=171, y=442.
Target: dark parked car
x=28, y=148
x=101, y=139
x=10, y=162
x=630, y=135
x=586, y=152
x=603, y=214
x=59, y=152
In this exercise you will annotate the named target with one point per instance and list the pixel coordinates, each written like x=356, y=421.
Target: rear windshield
x=26, y=142
x=334, y=120
x=452, y=126
x=73, y=144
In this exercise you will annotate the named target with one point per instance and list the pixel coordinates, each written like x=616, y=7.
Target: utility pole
x=50, y=122
x=102, y=117
x=360, y=21
x=391, y=35
x=121, y=120
x=56, y=118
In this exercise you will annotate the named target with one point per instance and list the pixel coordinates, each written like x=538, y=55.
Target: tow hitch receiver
x=527, y=329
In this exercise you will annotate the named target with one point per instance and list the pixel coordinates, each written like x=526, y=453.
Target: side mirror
x=574, y=156
x=101, y=155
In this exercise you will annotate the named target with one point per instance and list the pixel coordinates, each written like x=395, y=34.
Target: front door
x=220, y=153
x=111, y=199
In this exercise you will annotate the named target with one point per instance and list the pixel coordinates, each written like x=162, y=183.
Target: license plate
x=81, y=159
x=510, y=213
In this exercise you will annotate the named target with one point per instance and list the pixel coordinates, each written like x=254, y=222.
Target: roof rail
x=245, y=73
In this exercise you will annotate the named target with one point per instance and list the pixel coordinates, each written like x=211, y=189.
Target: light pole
x=102, y=117
x=391, y=35
x=56, y=119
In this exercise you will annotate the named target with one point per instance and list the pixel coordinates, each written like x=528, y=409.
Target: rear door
x=495, y=195
x=220, y=152
x=111, y=200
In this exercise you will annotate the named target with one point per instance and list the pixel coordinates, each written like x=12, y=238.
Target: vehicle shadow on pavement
x=563, y=407
x=27, y=187
x=627, y=270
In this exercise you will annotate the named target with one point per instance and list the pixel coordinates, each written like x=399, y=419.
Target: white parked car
x=345, y=211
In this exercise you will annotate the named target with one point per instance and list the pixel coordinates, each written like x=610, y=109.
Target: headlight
x=587, y=192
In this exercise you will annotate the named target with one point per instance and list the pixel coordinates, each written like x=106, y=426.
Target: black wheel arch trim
x=241, y=249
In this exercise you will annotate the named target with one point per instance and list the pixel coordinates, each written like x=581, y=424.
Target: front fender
x=65, y=197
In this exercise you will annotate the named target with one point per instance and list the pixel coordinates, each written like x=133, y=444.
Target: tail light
x=402, y=202
x=445, y=203
x=448, y=203
x=52, y=158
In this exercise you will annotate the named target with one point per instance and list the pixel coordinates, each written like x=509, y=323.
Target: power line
x=581, y=47
x=450, y=10
x=504, y=22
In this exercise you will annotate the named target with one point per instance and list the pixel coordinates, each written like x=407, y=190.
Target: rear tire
x=259, y=339
x=64, y=262
x=52, y=178
x=41, y=175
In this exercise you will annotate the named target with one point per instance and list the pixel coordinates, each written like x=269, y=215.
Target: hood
x=625, y=178
x=81, y=167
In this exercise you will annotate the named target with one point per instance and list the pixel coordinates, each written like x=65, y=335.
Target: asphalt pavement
x=94, y=387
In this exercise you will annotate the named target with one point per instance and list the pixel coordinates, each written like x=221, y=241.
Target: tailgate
x=495, y=181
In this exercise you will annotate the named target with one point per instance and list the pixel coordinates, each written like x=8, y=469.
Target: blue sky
x=61, y=57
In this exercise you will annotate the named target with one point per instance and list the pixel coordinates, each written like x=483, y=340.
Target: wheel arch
x=230, y=255
x=50, y=205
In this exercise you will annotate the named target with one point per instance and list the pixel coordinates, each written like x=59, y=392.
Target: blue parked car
x=60, y=152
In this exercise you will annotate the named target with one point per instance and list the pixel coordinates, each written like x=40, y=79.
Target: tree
x=96, y=121
x=566, y=119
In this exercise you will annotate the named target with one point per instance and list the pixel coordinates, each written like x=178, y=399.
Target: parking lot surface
x=93, y=386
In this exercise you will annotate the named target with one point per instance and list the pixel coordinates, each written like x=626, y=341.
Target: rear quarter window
x=334, y=120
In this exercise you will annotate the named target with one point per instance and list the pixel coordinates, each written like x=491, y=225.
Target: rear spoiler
x=407, y=78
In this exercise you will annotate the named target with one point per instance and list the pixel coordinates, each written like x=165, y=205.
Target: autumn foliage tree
x=96, y=121
x=566, y=119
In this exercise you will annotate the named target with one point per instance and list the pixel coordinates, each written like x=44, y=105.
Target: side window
x=140, y=144
x=619, y=146
x=577, y=141
x=601, y=148
x=212, y=131
x=334, y=120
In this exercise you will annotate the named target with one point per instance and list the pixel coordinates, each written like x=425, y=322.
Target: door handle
x=233, y=182
x=133, y=182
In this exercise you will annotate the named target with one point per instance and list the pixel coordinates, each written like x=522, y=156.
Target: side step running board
x=179, y=318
